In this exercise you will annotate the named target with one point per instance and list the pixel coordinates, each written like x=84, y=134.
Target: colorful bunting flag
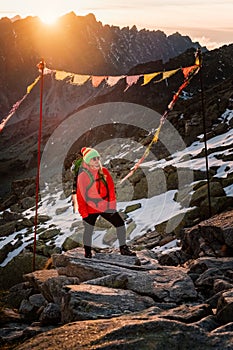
x=131, y=80
x=97, y=80
x=30, y=87
x=187, y=70
x=80, y=79
x=61, y=75
x=149, y=77
x=111, y=81
x=12, y=112
x=169, y=73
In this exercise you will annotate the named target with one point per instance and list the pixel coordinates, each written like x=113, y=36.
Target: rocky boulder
x=212, y=237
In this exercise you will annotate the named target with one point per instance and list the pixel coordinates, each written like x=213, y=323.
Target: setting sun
x=48, y=18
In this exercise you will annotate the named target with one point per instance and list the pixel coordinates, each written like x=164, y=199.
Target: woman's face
x=95, y=163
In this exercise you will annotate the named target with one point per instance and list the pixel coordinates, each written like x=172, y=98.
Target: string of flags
x=80, y=79
x=17, y=104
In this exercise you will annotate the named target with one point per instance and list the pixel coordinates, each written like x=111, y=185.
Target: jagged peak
x=134, y=28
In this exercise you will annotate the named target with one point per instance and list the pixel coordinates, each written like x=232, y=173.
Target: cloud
x=204, y=41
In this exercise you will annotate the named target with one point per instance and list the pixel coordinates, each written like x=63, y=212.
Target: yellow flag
x=30, y=87
x=80, y=79
x=60, y=74
x=149, y=77
x=169, y=73
x=156, y=135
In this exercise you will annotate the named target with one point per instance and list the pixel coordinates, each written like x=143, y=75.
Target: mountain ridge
x=78, y=44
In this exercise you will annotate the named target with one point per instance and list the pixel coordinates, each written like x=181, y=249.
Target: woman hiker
x=96, y=196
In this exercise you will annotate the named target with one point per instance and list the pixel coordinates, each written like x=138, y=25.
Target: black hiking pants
x=114, y=218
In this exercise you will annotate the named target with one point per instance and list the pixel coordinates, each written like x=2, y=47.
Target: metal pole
x=41, y=66
x=204, y=130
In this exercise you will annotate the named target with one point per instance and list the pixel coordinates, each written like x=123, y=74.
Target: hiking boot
x=87, y=252
x=124, y=250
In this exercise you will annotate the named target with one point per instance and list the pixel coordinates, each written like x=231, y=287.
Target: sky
x=153, y=210
x=209, y=22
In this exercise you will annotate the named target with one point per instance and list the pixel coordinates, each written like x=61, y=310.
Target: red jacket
x=95, y=195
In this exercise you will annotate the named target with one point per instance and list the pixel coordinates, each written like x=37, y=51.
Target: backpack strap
x=91, y=177
x=106, y=185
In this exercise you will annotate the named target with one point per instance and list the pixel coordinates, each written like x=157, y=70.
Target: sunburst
x=49, y=18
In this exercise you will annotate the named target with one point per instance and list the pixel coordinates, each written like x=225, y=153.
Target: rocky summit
x=113, y=301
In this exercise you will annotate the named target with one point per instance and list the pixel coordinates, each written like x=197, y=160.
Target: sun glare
x=48, y=18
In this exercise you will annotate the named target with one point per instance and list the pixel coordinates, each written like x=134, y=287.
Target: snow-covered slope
x=152, y=211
